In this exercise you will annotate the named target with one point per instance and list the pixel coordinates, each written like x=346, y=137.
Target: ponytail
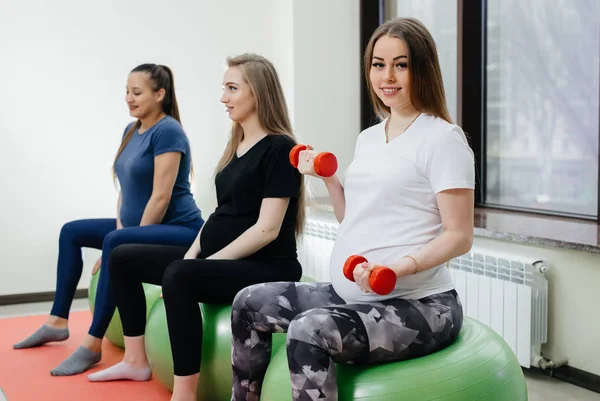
x=169, y=105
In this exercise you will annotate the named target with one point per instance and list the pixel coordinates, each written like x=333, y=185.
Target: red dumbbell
x=382, y=279
x=325, y=163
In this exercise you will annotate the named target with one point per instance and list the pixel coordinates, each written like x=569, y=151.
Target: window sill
x=518, y=227
x=540, y=230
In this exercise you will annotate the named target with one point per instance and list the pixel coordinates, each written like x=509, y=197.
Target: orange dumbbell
x=325, y=163
x=382, y=279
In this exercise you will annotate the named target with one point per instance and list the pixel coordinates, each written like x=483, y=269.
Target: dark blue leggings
x=102, y=234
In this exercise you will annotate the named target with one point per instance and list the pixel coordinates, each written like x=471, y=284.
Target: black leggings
x=184, y=284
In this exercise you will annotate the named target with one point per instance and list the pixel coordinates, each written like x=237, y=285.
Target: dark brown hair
x=160, y=77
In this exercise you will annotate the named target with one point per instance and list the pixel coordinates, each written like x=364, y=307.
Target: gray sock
x=79, y=361
x=43, y=335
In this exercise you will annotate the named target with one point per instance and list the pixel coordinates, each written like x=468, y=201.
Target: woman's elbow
x=269, y=233
x=466, y=242
x=162, y=199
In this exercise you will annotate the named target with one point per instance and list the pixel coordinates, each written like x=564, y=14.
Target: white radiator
x=508, y=294
x=314, y=248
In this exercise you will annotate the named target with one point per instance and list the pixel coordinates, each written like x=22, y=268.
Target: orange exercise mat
x=25, y=374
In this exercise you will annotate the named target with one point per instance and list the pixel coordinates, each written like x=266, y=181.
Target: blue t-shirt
x=135, y=171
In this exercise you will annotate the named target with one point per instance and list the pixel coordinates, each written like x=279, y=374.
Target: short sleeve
x=169, y=138
x=282, y=180
x=451, y=163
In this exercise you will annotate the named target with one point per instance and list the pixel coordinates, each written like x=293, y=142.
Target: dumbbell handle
x=325, y=163
x=382, y=279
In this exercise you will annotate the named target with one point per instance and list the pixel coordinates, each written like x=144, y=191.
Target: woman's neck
x=150, y=120
x=400, y=120
x=404, y=112
x=253, y=129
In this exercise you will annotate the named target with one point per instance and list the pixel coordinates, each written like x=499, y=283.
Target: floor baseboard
x=577, y=377
x=35, y=297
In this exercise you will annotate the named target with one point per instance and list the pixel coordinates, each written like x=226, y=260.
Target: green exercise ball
x=158, y=348
x=114, y=333
x=214, y=383
x=479, y=365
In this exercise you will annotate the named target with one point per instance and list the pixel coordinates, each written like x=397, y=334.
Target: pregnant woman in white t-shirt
x=406, y=202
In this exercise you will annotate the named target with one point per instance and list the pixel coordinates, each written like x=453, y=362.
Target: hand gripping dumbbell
x=382, y=279
x=325, y=163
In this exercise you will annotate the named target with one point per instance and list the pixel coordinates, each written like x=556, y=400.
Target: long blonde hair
x=427, y=88
x=271, y=108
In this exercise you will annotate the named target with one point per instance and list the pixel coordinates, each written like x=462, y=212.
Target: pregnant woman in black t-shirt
x=249, y=239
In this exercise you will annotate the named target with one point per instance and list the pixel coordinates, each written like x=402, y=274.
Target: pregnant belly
x=220, y=231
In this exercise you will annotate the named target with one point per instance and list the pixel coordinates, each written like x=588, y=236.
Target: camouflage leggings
x=323, y=330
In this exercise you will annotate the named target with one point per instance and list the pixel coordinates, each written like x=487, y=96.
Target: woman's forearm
x=194, y=249
x=155, y=210
x=119, y=224
x=338, y=199
x=252, y=240
x=447, y=246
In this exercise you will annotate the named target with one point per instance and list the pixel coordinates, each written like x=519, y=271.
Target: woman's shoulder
x=443, y=139
x=276, y=141
x=436, y=129
x=169, y=123
x=168, y=126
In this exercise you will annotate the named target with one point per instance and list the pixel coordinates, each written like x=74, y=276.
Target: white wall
x=64, y=68
x=317, y=46
x=573, y=280
x=327, y=76
x=283, y=49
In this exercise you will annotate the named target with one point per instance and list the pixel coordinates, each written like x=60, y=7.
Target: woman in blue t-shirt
x=155, y=206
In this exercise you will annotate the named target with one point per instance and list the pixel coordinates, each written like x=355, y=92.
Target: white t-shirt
x=391, y=208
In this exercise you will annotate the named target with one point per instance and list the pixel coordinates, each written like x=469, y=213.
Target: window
x=542, y=105
x=522, y=78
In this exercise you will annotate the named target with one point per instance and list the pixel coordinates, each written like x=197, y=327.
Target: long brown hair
x=427, y=88
x=160, y=77
x=271, y=108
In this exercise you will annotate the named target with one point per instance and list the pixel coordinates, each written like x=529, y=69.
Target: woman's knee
x=317, y=328
x=118, y=259
x=305, y=325
x=268, y=299
x=174, y=280
x=113, y=240
x=71, y=230
x=240, y=301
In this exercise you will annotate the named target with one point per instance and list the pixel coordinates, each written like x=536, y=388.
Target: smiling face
x=237, y=95
x=389, y=73
x=141, y=97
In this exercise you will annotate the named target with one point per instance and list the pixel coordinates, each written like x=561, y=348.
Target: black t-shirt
x=264, y=171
